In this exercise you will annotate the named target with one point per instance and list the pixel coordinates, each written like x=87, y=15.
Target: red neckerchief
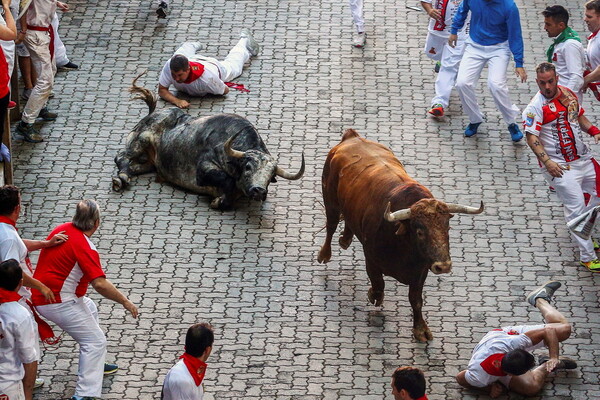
x=7, y=220
x=440, y=24
x=593, y=34
x=492, y=364
x=196, y=367
x=196, y=71
x=424, y=397
x=6, y=296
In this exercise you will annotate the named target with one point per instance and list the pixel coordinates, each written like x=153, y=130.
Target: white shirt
x=494, y=342
x=12, y=246
x=593, y=51
x=17, y=343
x=557, y=127
x=451, y=8
x=569, y=60
x=40, y=13
x=179, y=384
x=208, y=83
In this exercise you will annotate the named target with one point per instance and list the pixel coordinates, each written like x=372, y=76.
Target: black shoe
x=563, y=362
x=69, y=67
x=29, y=133
x=161, y=11
x=47, y=115
x=543, y=292
x=110, y=369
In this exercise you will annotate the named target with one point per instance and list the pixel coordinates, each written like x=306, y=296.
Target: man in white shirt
x=19, y=355
x=592, y=20
x=502, y=359
x=38, y=35
x=197, y=75
x=554, y=122
x=441, y=13
x=184, y=380
x=566, y=51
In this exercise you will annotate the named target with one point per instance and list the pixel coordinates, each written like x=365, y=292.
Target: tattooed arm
x=552, y=167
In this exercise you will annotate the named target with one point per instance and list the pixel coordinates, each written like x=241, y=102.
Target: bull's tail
x=143, y=93
x=349, y=134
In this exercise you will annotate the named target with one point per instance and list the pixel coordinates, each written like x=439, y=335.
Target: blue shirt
x=492, y=22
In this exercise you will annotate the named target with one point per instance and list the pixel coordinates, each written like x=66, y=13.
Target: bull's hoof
x=345, y=243
x=375, y=298
x=324, y=255
x=117, y=184
x=422, y=335
x=216, y=203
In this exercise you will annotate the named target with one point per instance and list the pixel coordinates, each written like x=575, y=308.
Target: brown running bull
x=362, y=182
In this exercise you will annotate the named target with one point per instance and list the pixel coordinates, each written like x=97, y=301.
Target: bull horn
x=399, y=215
x=292, y=177
x=232, y=152
x=459, y=209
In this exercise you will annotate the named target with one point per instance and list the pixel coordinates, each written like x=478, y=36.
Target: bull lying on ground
x=360, y=179
x=221, y=155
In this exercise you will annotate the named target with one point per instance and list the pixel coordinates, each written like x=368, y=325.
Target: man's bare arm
x=166, y=95
x=538, y=149
x=108, y=290
x=29, y=379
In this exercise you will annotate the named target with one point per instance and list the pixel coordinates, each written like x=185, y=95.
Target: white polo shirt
x=208, y=83
x=18, y=340
x=179, y=384
x=12, y=246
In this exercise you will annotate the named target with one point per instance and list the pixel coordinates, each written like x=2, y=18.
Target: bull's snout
x=441, y=267
x=258, y=193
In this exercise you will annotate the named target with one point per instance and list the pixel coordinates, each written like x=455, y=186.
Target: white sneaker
x=252, y=44
x=359, y=39
x=39, y=382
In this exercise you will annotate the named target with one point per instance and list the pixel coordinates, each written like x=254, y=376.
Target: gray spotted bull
x=221, y=155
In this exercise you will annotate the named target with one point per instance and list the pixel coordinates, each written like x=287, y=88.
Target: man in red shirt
x=68, y=270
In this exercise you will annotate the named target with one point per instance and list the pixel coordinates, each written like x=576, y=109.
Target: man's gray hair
x=86, y=215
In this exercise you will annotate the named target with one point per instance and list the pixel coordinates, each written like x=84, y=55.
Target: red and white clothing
x=437, y=48
x=569, y=60
x=557, y=127
x=180, y=384
x=438, y=31
x=483, y=369
x=38, y=39
x=18, y=346
x=593, y=60
x=207, y=75
x=67, y=270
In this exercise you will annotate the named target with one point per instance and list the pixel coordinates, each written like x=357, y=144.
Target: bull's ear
x=451, y=215
x=401, y=229
x=273, y=180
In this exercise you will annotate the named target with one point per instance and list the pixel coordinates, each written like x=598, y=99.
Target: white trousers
x=356, y=7
x=38, y=44
x=79, y=318
x=450, y=58
x=434, y=45
x=231, y=67
x=474, y=59
x=13, y=392
x=60, y=51
x=579, y=179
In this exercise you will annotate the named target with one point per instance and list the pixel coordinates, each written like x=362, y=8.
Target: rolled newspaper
x=23, y=6
x=583, y=225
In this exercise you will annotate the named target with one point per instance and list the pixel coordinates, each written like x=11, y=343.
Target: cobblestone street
x=287, y=327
